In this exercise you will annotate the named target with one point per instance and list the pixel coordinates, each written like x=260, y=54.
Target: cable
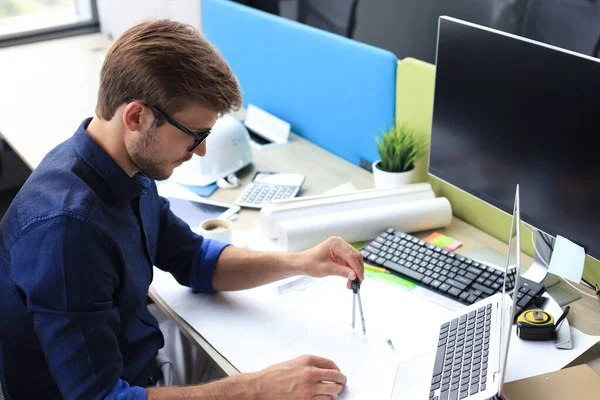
x=545, y=239
x=587, y=283
x=579, y=290
x=535, y=249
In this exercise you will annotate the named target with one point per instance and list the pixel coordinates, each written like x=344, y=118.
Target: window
x=29, y=20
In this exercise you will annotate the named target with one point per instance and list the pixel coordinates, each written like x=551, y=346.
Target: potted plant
x=399, y=149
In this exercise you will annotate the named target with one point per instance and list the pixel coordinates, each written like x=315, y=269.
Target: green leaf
x=400, y=148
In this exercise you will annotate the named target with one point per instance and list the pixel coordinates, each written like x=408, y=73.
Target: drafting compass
x=356, y=294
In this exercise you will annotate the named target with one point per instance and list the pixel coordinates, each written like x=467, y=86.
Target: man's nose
x=201, y=149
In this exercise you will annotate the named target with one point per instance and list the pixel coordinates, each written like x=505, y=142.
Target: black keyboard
x=461, y=361
x=443, y=271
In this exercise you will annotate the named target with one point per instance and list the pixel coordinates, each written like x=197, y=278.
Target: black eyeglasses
x=199, y=136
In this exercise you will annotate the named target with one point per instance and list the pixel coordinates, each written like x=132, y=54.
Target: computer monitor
x=510, y=111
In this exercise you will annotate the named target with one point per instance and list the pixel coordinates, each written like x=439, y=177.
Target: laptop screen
x=507, y=309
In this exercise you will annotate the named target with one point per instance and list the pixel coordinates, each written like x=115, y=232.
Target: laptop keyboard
x=454, y=276
x=461, y=361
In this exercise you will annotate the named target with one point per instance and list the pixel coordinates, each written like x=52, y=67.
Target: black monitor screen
x=510, y=111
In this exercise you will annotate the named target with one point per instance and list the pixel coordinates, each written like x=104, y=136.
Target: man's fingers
x=344, y=272
x=327, y=389
x=331, y=375
x=324, y=363
x=346, y=255
x=354, y=260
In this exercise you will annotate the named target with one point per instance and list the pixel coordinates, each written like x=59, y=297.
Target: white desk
x=48, y=88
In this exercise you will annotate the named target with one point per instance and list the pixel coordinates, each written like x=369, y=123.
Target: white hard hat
x=228, y=150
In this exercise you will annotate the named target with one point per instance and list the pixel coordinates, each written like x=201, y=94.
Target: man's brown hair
x=166, y=64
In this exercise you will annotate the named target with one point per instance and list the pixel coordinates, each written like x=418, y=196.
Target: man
x=78, y=243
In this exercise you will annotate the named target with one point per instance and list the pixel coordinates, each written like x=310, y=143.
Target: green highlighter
x=382, y=276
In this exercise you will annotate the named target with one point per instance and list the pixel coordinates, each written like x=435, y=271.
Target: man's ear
x=137, y=117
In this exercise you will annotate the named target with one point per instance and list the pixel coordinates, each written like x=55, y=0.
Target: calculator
x=268, y=186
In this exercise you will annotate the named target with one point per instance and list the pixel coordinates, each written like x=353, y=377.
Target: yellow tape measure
x=535, y=325
x=536, y=318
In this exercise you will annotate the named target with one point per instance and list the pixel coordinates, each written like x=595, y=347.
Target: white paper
x=256, y=328
x=567, y=260
x=527, y=358
x=253, y=239
x=172, y=189
x=275, y=213
x=259, y=327
x=344, y=188
x=267, y=125
x=358, y=225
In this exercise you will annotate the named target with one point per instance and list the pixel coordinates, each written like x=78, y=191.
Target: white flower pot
x=389, y=180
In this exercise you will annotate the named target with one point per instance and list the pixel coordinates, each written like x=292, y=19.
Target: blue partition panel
x=335, y=92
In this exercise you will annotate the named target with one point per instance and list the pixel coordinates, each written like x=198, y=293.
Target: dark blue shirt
x=77, y=246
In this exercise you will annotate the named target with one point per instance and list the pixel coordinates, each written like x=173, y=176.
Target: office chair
x=334, y=16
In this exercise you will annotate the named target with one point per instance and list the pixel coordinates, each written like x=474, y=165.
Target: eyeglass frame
x=199, y=136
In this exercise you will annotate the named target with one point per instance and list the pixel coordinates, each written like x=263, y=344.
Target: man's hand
x=303, y=378
x=334, y=257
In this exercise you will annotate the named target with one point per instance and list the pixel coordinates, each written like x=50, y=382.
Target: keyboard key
x=474, y=389
x=403, y=270
x=439, y=359
x=464, y=280
x=524, y=301
x=456, y=283
x=484, y=289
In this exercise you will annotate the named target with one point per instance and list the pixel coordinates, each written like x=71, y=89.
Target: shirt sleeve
x=191, y=258
x=66, y=278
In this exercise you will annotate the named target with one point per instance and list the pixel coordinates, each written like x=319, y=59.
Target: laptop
x=468, y=358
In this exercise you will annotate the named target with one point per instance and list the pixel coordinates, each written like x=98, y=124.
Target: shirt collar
x=89, y=151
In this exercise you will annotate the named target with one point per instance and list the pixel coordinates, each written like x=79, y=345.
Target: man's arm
x=190, y=258
x=239, y=269
x=65, y=277
x=303, y=378
x=209, y=265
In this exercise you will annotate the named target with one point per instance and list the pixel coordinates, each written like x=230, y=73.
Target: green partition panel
x=415, y=81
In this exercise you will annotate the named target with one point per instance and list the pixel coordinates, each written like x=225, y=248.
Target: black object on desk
x=454, y=276
x=538, y=325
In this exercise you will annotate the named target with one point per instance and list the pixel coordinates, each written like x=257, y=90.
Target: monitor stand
x=538, y=272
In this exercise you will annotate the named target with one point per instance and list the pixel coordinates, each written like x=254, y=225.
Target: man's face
x=159, y=150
